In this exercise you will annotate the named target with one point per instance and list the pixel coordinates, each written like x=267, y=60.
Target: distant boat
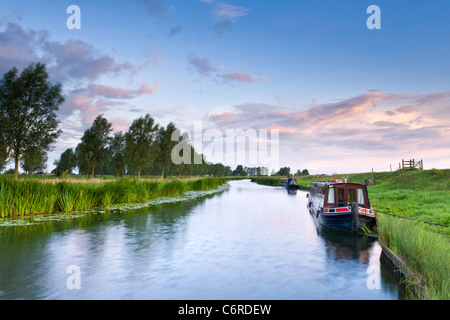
x=341, y=206
x=288, y=182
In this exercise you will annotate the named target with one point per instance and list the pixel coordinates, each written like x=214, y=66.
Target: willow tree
x=166, y=145
x=141, y=143
x=28, y=105
x=93, y=145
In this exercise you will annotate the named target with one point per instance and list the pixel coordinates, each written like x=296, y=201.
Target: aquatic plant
x=24, y=197
x=426, y=253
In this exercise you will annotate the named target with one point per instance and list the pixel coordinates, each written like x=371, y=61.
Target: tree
x=3, y=153
x=305, y=172
x=34, y=159
x=284, y=171
x=239, y=171
x=117, y=152
x=141, y=143
x=28, y=105
x=67, y=162
x=166, y=146
x=94, y=143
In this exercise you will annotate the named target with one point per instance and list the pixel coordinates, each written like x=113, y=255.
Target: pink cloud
x=118, y=93
x=119, y=124
x=242, y=77
x=351, y=126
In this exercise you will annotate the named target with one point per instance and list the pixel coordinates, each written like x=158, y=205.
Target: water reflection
x=250, y=242
x=291, y=191
x=342, y=246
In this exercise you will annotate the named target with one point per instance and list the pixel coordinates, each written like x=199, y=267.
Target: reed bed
x=268, y=181
x=32, y=197
x=427, y=253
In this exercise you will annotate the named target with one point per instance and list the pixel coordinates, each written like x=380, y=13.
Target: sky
x=343, y=98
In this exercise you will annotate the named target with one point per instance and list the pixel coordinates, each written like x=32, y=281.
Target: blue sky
x=344, y=98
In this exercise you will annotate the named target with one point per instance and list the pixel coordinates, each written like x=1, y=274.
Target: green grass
x=24, y=197
x=426, y=253
x=268, y=181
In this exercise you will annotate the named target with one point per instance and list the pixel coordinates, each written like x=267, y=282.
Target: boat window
x=330, y=195
x=322, y=190
x=341, y=197
x=351, y=195
x=360, y=196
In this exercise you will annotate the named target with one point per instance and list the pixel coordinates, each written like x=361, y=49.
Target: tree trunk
x=139, y=174
x=16, y=164
x=162, y=176
x=93, y=170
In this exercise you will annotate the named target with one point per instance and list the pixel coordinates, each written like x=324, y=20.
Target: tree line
x=264, y=171
x=145, y=149
x=29, y=130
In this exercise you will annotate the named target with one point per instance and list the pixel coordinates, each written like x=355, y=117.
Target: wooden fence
x=407, y=164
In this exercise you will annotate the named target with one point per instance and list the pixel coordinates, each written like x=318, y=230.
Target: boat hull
x=348, y=221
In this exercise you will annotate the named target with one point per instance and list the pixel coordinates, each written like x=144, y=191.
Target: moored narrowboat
x=340, y=205
x=288, y=182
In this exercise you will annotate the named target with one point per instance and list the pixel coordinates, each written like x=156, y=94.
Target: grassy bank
x=426, y=253
x=275, y=181
x=31, y=197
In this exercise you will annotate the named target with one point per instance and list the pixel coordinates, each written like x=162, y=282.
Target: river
x=247, y=242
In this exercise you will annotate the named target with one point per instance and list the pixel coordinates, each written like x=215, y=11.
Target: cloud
x=18, y=47
x=230, y=12
x=76, y=59
x=79, y=66
x=353, y=130
x=98, y=99
x=406, y=109
x=154, y=8
x=119, y=93
x=241, y=77
x=226, y=15
x=202, y=66
x=69, y=61
x=175, y=30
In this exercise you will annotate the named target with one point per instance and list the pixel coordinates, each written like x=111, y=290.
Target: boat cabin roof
x=340, y=193
x=335, y=183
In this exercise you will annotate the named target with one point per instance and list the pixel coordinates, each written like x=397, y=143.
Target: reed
x=268, y=181
x=31, y=196
x=427, y=253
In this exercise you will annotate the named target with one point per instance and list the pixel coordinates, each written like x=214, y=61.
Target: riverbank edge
x=402, y=272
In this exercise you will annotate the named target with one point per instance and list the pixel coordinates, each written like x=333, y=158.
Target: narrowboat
x=288, y=182
x=340, y=205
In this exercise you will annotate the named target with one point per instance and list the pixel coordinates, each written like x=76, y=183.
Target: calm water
x=249, y=242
